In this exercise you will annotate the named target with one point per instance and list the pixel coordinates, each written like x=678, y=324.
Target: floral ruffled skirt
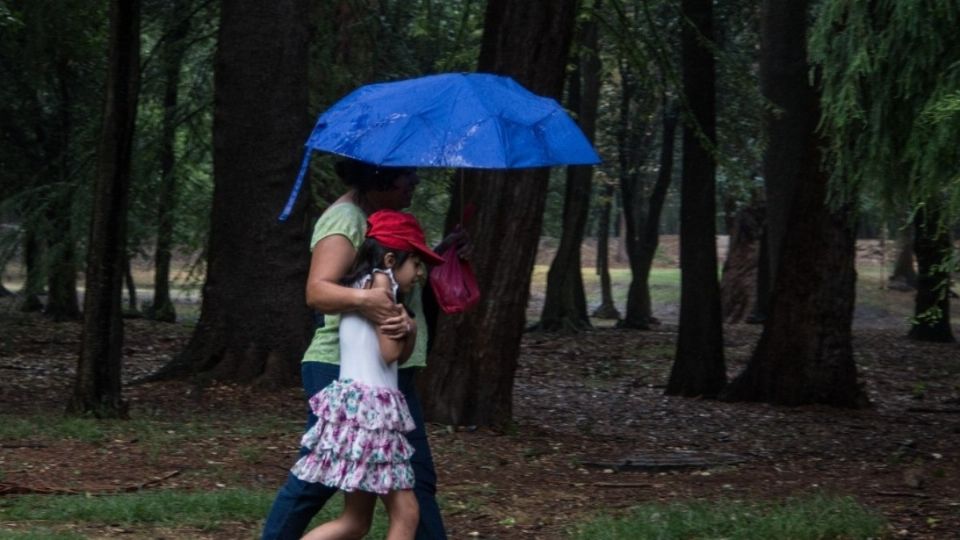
x=357, y=442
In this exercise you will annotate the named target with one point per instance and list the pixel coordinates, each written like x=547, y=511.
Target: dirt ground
x=594, y=432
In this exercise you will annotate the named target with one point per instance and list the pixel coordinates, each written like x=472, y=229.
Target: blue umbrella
x=453, y=120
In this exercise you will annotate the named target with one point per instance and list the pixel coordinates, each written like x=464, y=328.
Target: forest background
x=148, y=147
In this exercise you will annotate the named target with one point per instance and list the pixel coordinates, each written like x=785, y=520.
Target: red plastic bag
x=454, y=283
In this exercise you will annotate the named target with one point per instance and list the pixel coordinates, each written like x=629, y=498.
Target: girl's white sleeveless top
x=360, y=358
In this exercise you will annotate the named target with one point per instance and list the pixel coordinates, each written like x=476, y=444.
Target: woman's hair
x=369, y=257
x=364, y=176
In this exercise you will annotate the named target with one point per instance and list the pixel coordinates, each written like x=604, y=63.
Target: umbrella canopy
x=455, y=120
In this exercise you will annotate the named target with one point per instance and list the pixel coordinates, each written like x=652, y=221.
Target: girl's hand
x=399, y=327
x=379, y=307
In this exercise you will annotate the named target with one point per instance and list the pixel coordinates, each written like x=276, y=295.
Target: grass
x=169, y=508
x=811, y=518
x=206, y=510
x=51, y=427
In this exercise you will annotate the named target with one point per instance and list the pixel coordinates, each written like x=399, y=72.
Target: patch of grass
x=90, y=430
x=172, y=508
x=205, y=510
x=813, y=518
x=152, y=433
x=251, y=454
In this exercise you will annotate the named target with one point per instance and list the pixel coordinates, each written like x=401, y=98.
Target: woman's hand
x=378, y=306
x=459, y=240
x=400, y=326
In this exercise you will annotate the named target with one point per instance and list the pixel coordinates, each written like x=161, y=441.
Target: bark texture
x=254, y=323
x=805, y=353
x=469, y=378
x=565, y=305
x=904, y=275
x=698, y=368
x=738, y=286
x=97, y=387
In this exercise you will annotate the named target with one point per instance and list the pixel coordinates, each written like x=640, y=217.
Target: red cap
x=400, y=230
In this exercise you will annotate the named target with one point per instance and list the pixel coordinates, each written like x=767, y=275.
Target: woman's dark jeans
x=298, y=501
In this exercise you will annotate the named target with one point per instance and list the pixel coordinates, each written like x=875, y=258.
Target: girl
x=357, y=445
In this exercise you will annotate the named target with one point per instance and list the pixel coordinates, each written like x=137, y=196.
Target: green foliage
x=890, y=76
x=812, y=518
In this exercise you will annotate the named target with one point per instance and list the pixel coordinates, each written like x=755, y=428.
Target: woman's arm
x=331, y=260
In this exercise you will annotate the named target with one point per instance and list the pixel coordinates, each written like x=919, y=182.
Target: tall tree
x=932, y=245
x=904, y=274
x=606, y=309
x=51, y=106
x=565, y=305
x=890, y=110
x=804, y=354
x=642, y=206
x=177, y=26
x=698, y=368
x=645, y=47
x=62, y=303
x=97, y=388
x=469, y=378
x=254, y=323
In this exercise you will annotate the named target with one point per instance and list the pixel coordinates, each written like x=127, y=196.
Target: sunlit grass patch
x=810, y=518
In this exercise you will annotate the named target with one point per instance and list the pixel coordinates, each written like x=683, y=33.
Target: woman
x=336, y=237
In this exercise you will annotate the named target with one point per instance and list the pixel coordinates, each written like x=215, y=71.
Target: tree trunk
x=469, y=379
x=254, y=324
x=62, y=303
x=904, y=275
x=131, y=286
x=606, y=309
x=738, y=286
x=644, y=235
x=177, y=26
x=931, y=320
x=565, y=305
x=33, y=285
x=805, y=353
x=97, y=388
x=634, y=196
x=698, y=368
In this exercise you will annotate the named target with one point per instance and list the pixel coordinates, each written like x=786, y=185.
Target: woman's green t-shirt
x=349, y=221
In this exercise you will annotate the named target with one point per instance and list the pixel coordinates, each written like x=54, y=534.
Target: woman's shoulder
x=343, y=218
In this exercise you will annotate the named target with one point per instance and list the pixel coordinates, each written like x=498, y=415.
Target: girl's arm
x=331, y=260
x=394, y=349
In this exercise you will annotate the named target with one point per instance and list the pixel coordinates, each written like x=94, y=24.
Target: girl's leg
x=404, y=514
x=353, y=523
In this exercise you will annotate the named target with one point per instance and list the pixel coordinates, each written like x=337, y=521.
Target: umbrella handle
x=297, y=186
